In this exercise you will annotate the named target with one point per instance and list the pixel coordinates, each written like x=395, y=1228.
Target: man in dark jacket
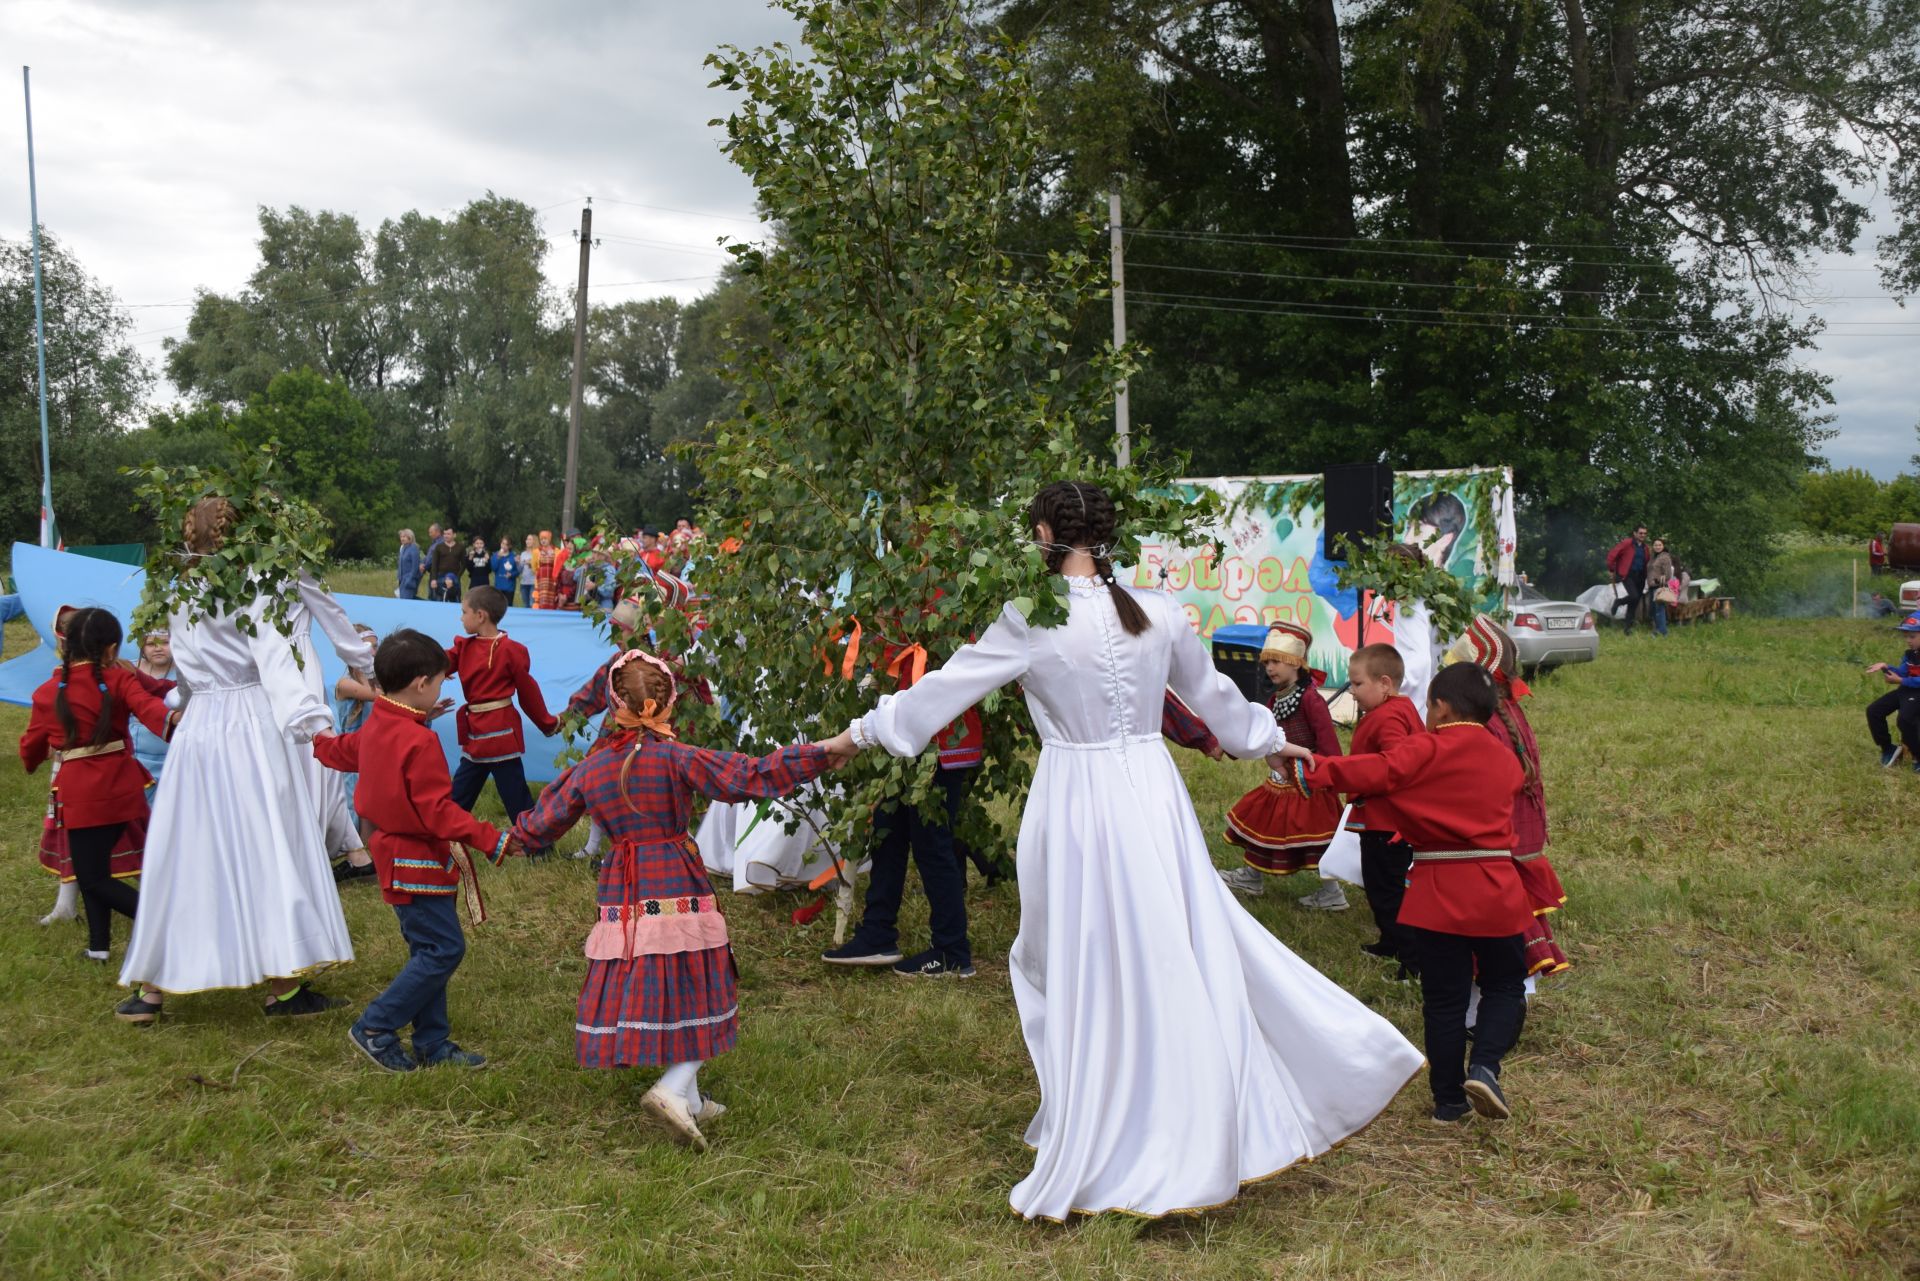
x=444, y=563
x=1627, y=562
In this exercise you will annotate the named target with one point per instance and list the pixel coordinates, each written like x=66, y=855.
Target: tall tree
x=1453, y=231
x=96, y=382
x=908, y=399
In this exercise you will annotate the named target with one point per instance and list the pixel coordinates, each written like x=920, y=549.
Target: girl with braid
x=1487, y=645
x=80, y=718
x=660, y=985
x=1182, y=1051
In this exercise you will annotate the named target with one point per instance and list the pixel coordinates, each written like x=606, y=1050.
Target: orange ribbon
x=909, y=665
x=852, y=658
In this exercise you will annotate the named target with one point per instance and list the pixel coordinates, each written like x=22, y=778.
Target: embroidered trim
x=644, y=1025
x=684, y=905
x=408, y=887
x=421, y=862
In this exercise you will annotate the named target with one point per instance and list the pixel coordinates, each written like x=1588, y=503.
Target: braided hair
x=638, y=683
x=1506, y=667
x=1083, y=518
x=207, y=524
x=91, y=636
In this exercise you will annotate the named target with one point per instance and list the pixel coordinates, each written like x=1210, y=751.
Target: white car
x=1549, y=632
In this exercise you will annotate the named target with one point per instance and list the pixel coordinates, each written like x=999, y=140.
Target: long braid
x=60, y=707
x=1531, y=767
x=1083, y=516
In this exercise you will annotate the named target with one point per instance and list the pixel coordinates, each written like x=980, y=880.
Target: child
x=1903, y=698
x=1487, y=645
x=418, y=831
x=660, y=973
x=352, y=699
x=1281, y=824
x=156, y=661
x=80, y=717
x=1386, y=717
x=506, y=569
x=124, y=861
x=493, y=669
x=1452, y=791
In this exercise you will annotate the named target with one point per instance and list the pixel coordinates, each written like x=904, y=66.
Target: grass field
x=1728, y=1083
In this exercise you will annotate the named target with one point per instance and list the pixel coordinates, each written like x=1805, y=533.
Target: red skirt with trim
x=123, y=863
x=1283, y=826
x=677, y=1007
x=1542, y=886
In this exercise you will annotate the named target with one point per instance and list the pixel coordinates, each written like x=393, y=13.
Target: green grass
x=1726, y=1085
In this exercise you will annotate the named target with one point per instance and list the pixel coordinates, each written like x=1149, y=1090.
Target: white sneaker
x=64, y=904
x=1245, y=880
x=1328, y=898
x=671, y=1110
x=710, y=1109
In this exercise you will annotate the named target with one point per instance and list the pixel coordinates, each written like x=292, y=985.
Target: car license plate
x=1561, y=624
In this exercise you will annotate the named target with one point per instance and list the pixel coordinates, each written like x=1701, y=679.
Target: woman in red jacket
x=80, y=715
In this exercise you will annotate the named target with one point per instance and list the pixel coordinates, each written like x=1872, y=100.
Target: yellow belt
x=1458, y=856
x=81, y=753
x=494, y=706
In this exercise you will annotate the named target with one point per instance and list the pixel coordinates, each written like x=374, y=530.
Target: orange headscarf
x=649, y=716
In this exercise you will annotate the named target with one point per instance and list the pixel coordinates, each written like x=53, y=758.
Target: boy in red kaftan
x=405, y=793
x=493, y=670
x=1452, y=790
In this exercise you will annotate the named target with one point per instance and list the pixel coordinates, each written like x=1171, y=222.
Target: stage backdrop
x=1273, y=562
x=566, y=650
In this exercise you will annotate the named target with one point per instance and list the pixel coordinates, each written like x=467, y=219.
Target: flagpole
x=39, y=324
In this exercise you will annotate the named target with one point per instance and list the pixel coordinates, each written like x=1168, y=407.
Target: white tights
x=63, y=905
x=684, y=1079
x=595, y=838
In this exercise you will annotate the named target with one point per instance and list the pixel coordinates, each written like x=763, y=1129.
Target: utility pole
x=1122, y=426
x=579, y=372
x=49, y=537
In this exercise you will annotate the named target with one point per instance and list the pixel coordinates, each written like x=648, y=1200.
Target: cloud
x=160, y=128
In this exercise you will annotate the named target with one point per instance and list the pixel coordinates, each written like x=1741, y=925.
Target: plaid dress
x=1537, y=876
x=660, y=984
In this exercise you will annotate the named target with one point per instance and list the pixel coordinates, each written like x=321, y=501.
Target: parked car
x=1549, y=632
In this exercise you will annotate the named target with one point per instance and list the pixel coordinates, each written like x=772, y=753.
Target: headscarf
x=650, y=716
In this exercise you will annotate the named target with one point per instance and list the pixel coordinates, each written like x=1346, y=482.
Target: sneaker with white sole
x=1245, y=881
x=854, y=952
x=933, y=964
x=1328, y=898
x=710, y=1110
x=1483, y=1092
x=671, y=1111
x=1888, y=759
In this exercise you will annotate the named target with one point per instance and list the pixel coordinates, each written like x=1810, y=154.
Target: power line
x=1602, y=327
x=695, y=213
x=1453, y=311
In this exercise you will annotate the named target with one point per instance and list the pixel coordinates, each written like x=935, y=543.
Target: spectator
x=1665, y=588
x=1627, y=562
x=1879, y=606
x=407, y=586
x=479, y=564
x=506, y=569
x=548, y=562
x=443, y=568
x=527, y=571
x=433, y=534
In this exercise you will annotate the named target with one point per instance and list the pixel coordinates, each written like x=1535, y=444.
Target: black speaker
x=1359, y=504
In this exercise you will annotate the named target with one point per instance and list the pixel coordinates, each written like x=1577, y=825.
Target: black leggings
x=91, y=849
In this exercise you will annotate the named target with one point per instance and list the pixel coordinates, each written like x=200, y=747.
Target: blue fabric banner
x=565, y=647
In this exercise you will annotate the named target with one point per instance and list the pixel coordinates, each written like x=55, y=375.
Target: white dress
x=1181, y=1049
x=315, y=607
x=757, y=851
x=235, y=887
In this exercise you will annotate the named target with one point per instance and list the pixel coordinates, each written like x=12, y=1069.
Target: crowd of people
x=1182, y=1049
x=542, y=573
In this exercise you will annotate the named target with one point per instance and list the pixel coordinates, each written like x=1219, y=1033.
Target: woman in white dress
x=236, y=888
x=1181, y=1049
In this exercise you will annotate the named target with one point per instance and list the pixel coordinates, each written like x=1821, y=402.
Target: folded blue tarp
x=565, y=647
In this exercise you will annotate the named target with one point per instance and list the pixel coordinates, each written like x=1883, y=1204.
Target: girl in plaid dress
x=660, y=982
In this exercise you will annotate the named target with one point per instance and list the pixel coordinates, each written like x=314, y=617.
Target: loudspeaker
x=1359, y=503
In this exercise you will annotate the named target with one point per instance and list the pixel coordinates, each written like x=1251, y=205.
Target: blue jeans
x=418, y=994
x=1659, y=618
x=526, y=596
x=901, y=831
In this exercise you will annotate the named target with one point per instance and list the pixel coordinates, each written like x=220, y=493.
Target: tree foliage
x=908, y=398
x=1443, y=234
x=1850, y=503
x=96, y=383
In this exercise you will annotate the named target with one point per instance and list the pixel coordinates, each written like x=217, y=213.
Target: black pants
x=1447, y=976
x=1383, y=875
x=1636, y=585
x=91, y=849
x=509, y=779
x=900, y=831
x=1904, y=701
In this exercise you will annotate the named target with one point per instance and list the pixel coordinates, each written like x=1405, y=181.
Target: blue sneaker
x=383, y=1048
x=1890, y=758
x=1483, y=1093
x=447, y=1054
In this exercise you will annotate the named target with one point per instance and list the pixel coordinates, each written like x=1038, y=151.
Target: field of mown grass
x=1728, y=1084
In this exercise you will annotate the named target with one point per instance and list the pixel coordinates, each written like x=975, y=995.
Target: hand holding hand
x=514, y=849
x=841, y=749
x=1216, y=753
x=440, y=708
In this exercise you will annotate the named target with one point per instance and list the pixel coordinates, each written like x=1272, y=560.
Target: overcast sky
x=161, y=125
